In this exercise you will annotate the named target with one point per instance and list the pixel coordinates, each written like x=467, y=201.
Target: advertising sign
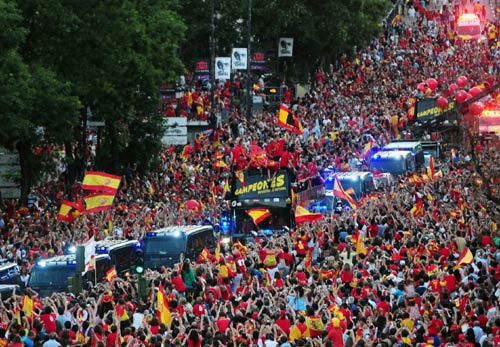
x=428, y=108
x=257, y=186
x=258, y=61
x=239, y=59
x=285, y=47
x=175, y=131
x=222, y=68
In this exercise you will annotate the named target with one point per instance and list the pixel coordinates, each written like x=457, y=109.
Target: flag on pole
x=101, y=181
x=90, y=254
x=288, y=120
x=111, y=274
x=98, y=202
x=258, y=214
x=465, y=258
x=164, y=315
x=308, y=259
x=302, y=215
x=339, y=192
x=110, y=222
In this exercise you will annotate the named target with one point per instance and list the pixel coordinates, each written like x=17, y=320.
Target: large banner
x=239, y=59
x=428, y=108
x=285, y=47
x=175, y=131
x=222, y=68
x=257, y=186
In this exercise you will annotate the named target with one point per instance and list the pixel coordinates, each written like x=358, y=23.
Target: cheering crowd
x=386, y=274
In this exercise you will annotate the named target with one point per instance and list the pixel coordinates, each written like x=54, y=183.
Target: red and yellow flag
x=339, y=192
x=258, y=214
x=69, y=211
x=164, y=315
x=111, y=274
x=465, y=258
x=217, y=252
x=302, y=215
x=367, y=148
x=98, y=202
x=101, y=181
x=360, y=246
x=288, y=120
x=27, y=306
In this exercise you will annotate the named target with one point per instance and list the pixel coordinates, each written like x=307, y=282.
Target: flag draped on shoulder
x=101, y=181
x=69, y=211
x=164, y=315
x=98, y=202
x=366, y=149
x=258, y=214
x=27, y=306
x=302, y=215
x=339, y=192
x=288, y=120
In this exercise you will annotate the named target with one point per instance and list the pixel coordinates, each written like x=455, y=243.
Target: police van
x=50, y=275
x=9, y=273
x=168, y=246
x=394, y=162
x=123, y=253
x=415, y=147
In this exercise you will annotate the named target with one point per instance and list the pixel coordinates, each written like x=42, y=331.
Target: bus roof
x=64, y=260
x=352, y=174
x=111, y=244
x=405, y=145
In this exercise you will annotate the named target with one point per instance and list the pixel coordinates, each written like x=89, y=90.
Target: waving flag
x=465, y=258
x=111, y=274
x=288, y=120
x=90, y=254
x=164, y=315
x=275, y=148
x=339, y=192
x=302, y=215
x=367, y=148
x=98, y=202
x=258, y=214
x=69, y=211
x=101, y=181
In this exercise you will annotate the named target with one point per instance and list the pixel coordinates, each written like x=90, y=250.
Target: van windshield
x=164, y=245
x=51, y=275
x=392, y=165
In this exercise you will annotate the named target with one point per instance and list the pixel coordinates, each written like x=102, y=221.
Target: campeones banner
x=258, y=186
x=428, y=108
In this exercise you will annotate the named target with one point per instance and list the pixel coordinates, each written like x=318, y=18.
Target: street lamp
x=249, y=54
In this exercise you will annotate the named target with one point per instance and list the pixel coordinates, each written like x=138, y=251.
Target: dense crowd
x=404, y=290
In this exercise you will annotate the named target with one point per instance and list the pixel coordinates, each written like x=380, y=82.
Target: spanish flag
x=465, y=258
x=101, y=181
x=418, y=209
x=217, y=252
x=360, y=246
x=240, y=175
x=258, y=214
x=164, y=315
x=339, y=192
x=27, y=306
x=367, y=148
x=98, y=202
x=69, y=211
x=151, y=188
x=288, y=120
x=111, y=274
x=431, y=170
x=302, y=215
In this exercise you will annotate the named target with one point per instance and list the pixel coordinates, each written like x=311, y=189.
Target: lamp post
x=212, y=55
x=249, y=59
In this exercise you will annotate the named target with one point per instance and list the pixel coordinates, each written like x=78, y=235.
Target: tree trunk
x=24, y=151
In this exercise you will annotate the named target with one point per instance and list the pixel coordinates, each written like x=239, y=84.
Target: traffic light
x=139, y=266
x=75, y=284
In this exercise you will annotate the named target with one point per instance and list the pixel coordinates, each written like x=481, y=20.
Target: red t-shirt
x=223, y=324
x=49, y=320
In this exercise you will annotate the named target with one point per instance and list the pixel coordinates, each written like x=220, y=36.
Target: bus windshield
x=164, y=245
x=394, y=166
x=51, y=275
